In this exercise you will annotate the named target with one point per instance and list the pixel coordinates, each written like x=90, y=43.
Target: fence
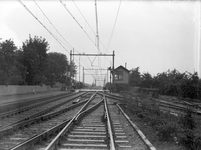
x=17, y=89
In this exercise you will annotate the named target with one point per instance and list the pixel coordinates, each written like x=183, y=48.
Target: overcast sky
x=154, y=35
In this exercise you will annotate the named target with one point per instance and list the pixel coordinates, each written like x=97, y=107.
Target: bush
x=168, y=131
x=183, y=129
x=190, y=139
x=188, y=121
x=188, y=136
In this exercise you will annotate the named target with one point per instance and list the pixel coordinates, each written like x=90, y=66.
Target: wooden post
x=113, y=71
x=70, y=68
x=83, y=74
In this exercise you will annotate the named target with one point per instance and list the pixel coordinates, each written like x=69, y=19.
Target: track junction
x=80, y=120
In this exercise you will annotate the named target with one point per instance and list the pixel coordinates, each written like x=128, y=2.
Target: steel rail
x=80, y=115
x=57, y=139
x=40, y=137
x=33, y=104
x=18, y=124
x=110, y=128
x=42, y=112
x=183, y=104
x=31, y=100
x=180, y=107
x=141, y=135
x=111, y=96
x=26, y=144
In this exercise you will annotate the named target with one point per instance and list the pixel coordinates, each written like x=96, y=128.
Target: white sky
x=154, y=35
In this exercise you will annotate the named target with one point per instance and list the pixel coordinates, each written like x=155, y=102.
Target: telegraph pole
x=70, y=68
x=83, y=74
x=113, y=71
x=79, y=68
x=97, y=36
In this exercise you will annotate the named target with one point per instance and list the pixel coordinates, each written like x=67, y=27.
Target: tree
x=135, y=78
x=175, y=83
x=35, y=55
x=146, y=80
x=57, y=67
x=19, y=64
x=8, y=71
x=189, y=85
x=73, y=69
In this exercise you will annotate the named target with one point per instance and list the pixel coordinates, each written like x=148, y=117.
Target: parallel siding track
x=35, y=111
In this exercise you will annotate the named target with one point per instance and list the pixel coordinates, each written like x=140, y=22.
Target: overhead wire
x=52, y=24
x=54, y=27
x=87, y=23
x=43, y=25
x=90, y=28
x=86, y=70
x=83, y=17
x=76, y=21
x=114, y=26
x=113, y=29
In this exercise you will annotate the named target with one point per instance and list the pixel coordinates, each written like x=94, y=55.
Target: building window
x=118, y=75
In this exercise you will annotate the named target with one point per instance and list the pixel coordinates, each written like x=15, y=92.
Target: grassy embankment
x=164, y=130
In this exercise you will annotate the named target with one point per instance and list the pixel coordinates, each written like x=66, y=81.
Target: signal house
x=121, y=75
x=121, y=79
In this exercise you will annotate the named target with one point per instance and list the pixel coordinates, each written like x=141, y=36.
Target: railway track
x=13, y=107
x=36, y=110
x=177, y=108
x=10, y=127
x=19, y=108
x=95, y=124
x=98, y=127
x=35, y=127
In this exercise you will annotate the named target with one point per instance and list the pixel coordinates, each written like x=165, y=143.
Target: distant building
x=121, y=78
x=121, y=75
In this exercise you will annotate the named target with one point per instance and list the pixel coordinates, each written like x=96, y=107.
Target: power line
x=83, y=17
x=81, y=26
x=114, y=25
x=52, y=24
x=85, y=21
x=76, y=21
x=90, y=27
x=43, y=25
x=70, y=46
x=88, y=23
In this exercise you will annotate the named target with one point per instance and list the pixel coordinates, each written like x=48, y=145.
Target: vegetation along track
x=35, y=127
x=13, y=122
x=177, y=108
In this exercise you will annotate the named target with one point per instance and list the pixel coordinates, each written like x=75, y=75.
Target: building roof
x=121, y=67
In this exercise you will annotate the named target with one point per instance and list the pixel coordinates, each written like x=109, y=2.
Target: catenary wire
x=43, y=25
x=52, y=24
x=114, y=26
x=76, y=21
x=47, y=30
x=88, y=23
